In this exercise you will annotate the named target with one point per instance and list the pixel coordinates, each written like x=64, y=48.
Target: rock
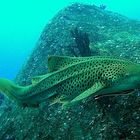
x=106, y=119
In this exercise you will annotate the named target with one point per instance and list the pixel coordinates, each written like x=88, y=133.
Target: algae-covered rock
x=109, y=118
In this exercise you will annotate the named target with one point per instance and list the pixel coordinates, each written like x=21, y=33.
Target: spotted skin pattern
x=68, y=77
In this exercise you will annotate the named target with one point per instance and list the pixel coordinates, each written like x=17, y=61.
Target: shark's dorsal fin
x=58, y=62
x=38, y=79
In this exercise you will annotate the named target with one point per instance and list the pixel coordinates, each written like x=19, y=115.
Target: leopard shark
x=72, y=79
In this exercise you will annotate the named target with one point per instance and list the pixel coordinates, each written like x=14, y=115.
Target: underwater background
x=33, y=30
x=23, y=21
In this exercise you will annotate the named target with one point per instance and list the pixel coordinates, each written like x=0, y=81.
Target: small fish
x=72, y=79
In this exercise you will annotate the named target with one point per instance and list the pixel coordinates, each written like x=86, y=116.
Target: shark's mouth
x=130, y=91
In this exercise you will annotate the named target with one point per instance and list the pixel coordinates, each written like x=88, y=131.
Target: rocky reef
x=78, y=30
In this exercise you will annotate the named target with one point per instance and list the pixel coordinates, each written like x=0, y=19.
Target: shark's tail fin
x=9, y=89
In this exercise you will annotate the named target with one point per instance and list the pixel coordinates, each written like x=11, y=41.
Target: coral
x=82, y=43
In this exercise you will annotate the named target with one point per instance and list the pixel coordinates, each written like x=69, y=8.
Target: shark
x=73, y=79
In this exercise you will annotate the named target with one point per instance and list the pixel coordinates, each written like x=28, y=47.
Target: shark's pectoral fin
x=96, y=87
x=61, y=100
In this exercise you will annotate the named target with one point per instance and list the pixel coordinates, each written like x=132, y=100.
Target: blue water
x=21, y=23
